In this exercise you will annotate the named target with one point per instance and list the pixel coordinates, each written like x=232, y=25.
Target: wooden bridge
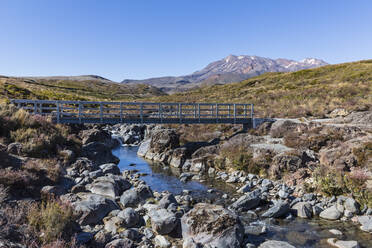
x=141, y=112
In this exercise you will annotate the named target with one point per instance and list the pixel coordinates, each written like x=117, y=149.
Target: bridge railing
x=98, y=112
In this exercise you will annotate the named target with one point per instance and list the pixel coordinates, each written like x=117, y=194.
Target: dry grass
x=313, y=92
x=53, y=219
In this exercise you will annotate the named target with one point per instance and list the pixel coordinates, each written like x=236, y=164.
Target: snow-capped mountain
x=230, y=69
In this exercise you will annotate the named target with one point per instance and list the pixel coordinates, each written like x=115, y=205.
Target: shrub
x=52, y=219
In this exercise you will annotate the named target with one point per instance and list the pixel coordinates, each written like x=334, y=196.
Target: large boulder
x=162, y=140
x=129, y=216
x=247, y=202
x=144, y=148
x=366, y=223
x=109, y=186
x=134, y=196
x=331, y=213
x=279, y=209
x=302, y=209
x=284, y=163
x=99, y=153
x=282, y=127
x=162, y=221
x=90, y=208
x=98, y=135
x=212, y=226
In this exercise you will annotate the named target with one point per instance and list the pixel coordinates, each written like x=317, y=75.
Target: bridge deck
x=140, y=112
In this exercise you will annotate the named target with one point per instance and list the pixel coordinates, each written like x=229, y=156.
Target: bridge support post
x=245, y=127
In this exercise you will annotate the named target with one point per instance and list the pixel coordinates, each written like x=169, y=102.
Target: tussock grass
x=312, y=92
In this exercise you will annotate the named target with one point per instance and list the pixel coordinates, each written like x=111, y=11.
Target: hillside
x=311, y=92
x=73, y=88
x=227, y=70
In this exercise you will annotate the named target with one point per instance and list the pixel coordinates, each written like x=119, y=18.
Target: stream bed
x=299, y=232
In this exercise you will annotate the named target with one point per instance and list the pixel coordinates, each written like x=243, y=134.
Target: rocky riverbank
x=101, y=206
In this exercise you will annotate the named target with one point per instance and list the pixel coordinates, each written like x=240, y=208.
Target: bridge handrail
x=161, y=110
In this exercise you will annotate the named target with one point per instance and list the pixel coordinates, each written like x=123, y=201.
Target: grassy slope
x=313, y=92
x=20, y=88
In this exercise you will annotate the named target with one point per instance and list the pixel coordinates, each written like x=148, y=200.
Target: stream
x=299, y=232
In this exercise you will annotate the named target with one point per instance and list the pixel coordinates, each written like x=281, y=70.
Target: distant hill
x=230, y=69
x=88, y=87
x=310, y=92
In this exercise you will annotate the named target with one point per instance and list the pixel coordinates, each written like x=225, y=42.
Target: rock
x=278, y=210
x=352, y=206
x=148, y=233
x=144, y=148
x=132, y=234
x=110, y=169
x=335, y=232
x=120, y=243
x=275, y=244
x=91, y=208
x=366, y=222
x=162, y=221
x=162, y=242
x=113, y=224
x=178, y=158
x=99, y=153
x=255, y=229
x=283, y=194
x=212, y=226
x=82, y=164
x=331, y=213
x=134, y=196
x=343, y=244
x=247, y=202
x=283, y=162
x=282, y=127
x=68, y=155
x=267, y=183
x=246, y=188
x=167, y=200
x=162, y=140
x=98, y=135
x=302, y=209
x=110, y=186
x=339, y=112
x=15, y=148
x=129, y=216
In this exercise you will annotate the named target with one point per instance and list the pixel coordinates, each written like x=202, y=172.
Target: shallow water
x=299, y=232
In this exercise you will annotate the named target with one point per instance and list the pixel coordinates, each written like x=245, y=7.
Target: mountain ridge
x=227, y=70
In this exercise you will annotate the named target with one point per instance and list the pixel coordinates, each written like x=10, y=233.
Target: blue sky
x=149, y=38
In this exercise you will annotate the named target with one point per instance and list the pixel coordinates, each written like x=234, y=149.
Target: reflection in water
x=298, y=232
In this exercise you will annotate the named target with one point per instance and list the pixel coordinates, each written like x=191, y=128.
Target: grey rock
x=366, y=222
x=331, y=213
x=110, y=169
x=247, y=202
x=144, y=148
x=129, y=216
x=120, y=243
x=162, y=221
x=302, y=209
x=134, y=196
x=167, y=200
x=278, y=210
x=343, y=244
x=275, y=244
x=211, y=226
x=162, y=242
x=91, y=208
x=352, y=206
x=246, y=188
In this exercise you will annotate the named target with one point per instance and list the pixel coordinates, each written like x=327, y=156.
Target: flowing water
x=298, y=232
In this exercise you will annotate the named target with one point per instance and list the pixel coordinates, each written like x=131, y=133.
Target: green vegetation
x=313, y=92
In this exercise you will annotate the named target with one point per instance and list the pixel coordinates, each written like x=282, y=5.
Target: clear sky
x=149, y=38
